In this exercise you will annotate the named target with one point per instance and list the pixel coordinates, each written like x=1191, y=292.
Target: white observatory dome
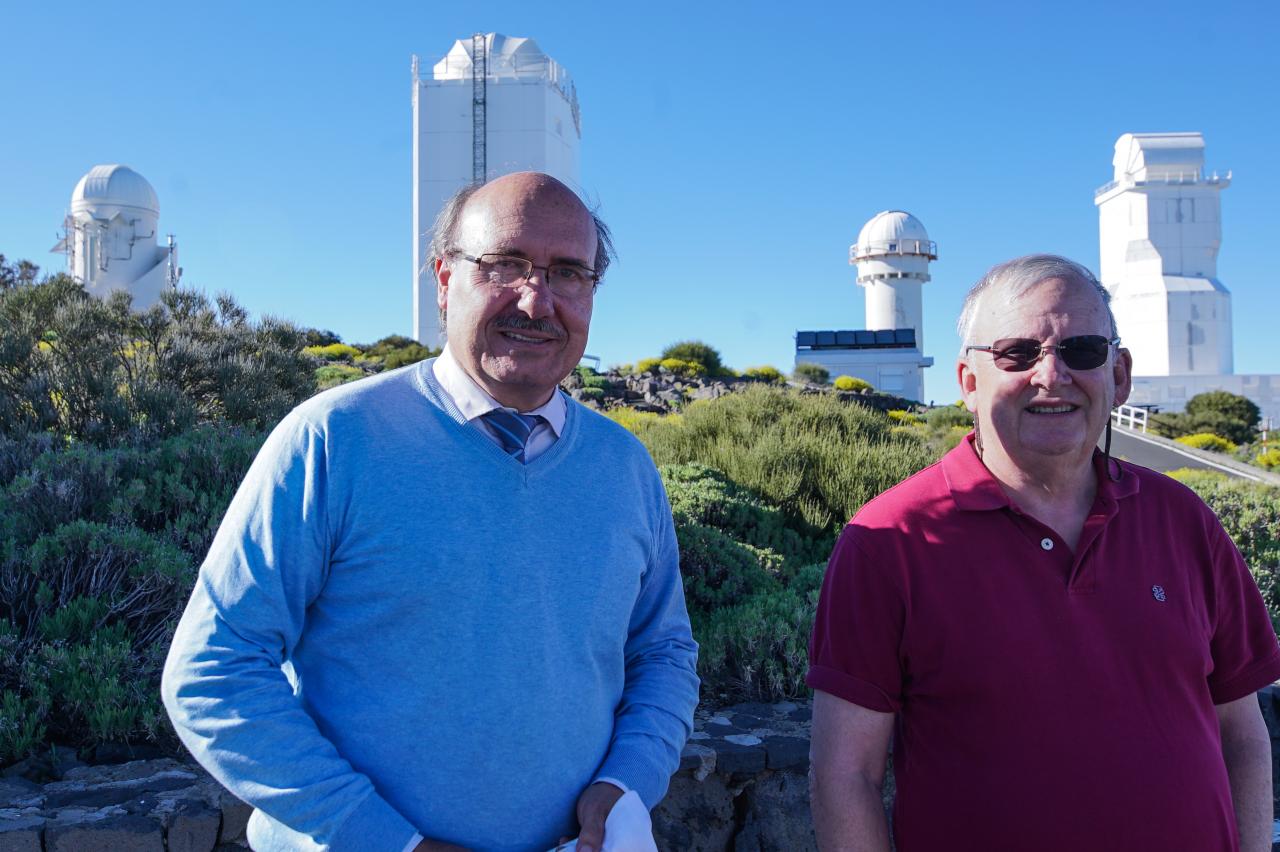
x=892, y=232
x=108, y=190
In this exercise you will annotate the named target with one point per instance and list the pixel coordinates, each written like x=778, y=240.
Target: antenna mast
x=479, y=73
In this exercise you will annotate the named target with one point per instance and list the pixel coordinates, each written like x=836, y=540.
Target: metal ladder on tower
x=479, y=75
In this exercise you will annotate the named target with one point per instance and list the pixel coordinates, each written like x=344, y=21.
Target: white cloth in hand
x=627, y=828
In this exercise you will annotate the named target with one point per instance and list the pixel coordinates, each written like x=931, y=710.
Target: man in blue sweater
x=444, y=609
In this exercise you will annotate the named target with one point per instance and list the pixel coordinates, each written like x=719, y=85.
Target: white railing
x=1130, y=417
x=1166, y=179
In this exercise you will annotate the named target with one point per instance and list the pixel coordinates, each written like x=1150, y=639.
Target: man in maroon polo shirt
x=1064, y=647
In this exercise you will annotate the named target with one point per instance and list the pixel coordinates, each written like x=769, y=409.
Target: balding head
x=530, y=186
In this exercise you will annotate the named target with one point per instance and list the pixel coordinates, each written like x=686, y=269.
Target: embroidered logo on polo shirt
x=1157, y=592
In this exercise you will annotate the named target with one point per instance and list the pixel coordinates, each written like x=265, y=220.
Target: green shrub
x=595, y=395
x=764, y=374
x=594, y=381
x=696, y=352
x=850, y=383
x=1220, y=413
x=1206, y=441
x=944, y=417
x=816, y=458
x=1270, y=459
x=906, y=418
x=812, y=373
x=648, y=365
x=333, y=352
x=332, y=375
x=639, y=422
x=682, y=368
x=1250, y=513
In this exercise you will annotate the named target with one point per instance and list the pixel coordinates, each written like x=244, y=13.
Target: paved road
x=1155, y=456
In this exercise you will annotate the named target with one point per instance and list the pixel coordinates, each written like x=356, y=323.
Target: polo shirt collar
x=974, y=489
x=472, y=401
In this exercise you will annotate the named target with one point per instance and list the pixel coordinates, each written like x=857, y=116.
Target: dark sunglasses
x=1019, y=354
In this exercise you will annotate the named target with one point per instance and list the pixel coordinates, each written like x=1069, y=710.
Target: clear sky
x=735, y=148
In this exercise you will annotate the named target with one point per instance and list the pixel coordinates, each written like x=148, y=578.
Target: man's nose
x=536, y=299
x=1050, y=370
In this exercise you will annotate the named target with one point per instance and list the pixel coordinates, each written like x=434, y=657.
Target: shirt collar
x=974, y=489
x=473, y=402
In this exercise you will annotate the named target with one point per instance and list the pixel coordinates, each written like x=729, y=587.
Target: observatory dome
x=107, y=190
x=504, y=56
x=892, y=232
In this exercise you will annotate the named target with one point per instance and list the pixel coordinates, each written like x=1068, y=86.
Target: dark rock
x=696, y=816
x=699, y=759
x=235, y=820
x=113, y=834
x=747, y=722
x=801, y=714
x=80, y=794
x=777, y=815
x=22, y=834
x=787, y=752
x=734, y=759
x=193, y=827
x=18, y=792
x=125, y=752
x=754, y=708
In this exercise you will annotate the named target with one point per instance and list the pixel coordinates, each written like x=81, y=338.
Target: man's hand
x=594, y=806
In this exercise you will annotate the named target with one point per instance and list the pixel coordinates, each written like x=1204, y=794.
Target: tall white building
x=493, y=105
x=892, y=254
x=1160, y=228
x=110, y=237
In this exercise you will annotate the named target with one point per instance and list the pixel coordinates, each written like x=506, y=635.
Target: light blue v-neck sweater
x=400, y=628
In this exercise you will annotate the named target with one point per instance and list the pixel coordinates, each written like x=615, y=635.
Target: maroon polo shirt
x=1046, y=700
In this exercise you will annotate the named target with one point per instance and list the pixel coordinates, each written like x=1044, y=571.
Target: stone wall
x=742, y=785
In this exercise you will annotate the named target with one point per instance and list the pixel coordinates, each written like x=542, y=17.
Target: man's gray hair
x=1015, y=277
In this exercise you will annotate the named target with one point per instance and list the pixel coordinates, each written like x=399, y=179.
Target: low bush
x=591, y=395
x=1207, y=441
x=812, y=373
x=1250, y=513
x=333, y=352
x=683, y=369
x=906, y=418
x=1269, y=459
x=696, y=352
x=596, y=382
x=850, y=383
x=816, y=458
x=764, y=374
x=332, y=375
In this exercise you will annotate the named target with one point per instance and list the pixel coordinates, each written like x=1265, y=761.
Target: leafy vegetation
x=1207, y=441
x=812, y=373
x=1220, y=413
x=851, y=383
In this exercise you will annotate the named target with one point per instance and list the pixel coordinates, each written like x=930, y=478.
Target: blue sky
x=736, y=149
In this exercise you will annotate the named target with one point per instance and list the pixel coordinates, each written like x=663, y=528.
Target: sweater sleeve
x=224, y=683
x=655, y=715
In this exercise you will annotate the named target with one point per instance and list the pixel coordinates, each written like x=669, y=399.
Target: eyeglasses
x=566, y=280
x=1019, y=354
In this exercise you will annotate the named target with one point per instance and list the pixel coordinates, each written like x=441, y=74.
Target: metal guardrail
x=1169, y=179
x=1130, y=417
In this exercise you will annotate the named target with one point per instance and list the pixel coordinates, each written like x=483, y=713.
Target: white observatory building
x=1160, y=227
x=493, y=105
x=892, y=254
x=110, y=237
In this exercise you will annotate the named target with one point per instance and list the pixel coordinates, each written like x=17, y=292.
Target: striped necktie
x=513, y=430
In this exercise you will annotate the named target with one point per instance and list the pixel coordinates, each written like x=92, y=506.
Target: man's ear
x=442, y=282
x=968, y=384
x=1122, y=372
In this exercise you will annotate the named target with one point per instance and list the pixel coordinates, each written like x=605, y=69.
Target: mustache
x=523, y=323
